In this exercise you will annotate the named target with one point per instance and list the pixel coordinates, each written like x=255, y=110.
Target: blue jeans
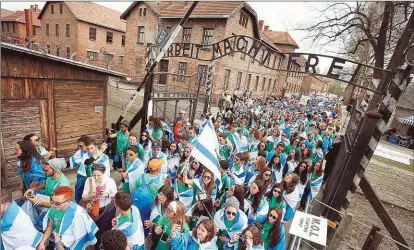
x=80, y=185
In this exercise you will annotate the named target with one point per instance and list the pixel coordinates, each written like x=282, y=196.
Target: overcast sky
x=280, y=16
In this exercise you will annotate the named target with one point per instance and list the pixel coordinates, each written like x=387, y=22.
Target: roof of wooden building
x=15, y=48
x=280, y=37
x=93, y=13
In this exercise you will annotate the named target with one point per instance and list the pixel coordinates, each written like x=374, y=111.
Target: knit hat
x=57, y=164
x=155, y=164
x=232, y=202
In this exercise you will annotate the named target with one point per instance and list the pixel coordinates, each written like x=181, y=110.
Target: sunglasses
x=144, y=135
x=277, y=191
x=272, y=216
x=38, y=139
x=55, y=203
x=267, y=174
x=161, y=196
x=231, y=213
x=168, y=210
x=207, y=177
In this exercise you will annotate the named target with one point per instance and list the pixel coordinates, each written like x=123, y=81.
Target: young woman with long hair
x=265, y=176
x=302, y=171
x=201, y=237
x=145, y=143
x=203, y=185
x=273, y=233
x=252, y=240
x=315, y=179
x=164, y=197
x=274, y=196
x=292, y=161
x=256, y=206
x=174, y=217
x=291, y=194
x=173, y=161
x=277, y=168
x=155, y=129
x=29, y=166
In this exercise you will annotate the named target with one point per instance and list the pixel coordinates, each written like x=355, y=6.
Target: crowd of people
x=269, y=155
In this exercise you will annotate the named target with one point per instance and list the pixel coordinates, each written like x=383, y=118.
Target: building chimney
x=261, y=23
x=31, y=6
x=266, y=28
x=29, y=22
x=37, y=8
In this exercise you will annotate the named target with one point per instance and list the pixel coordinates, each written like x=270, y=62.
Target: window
x=226, y=78
x=48, y=49
x=109, y=58
x=182, y=69
x=57, y=29
x=121, y=59
x=187, y=35
x=33, y=29
x=92, y=34
x=263, y=83
x=47, y=29
x=57, y=51
x=67, y=52
x=239, y=77
x=142, y=11
x=270, y=83
x=141, y=34
x=14, y=29
x=249, y=79
x=274, y=85
x=207, y=36
x=92, y=56
x=202, y=76
x=8, y=27
x=61, y=8
x=2, y=27
x=109, y=36
x=52, y=9
x=67, y=30
x=256, y=85
x=123, y=41
x=243, y=20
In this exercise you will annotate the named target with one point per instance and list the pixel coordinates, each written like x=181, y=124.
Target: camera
x=201, y=196
x=242, y=238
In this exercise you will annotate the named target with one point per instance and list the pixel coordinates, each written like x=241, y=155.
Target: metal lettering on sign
x=310, y=227
x=98, y=109
x=162, y=37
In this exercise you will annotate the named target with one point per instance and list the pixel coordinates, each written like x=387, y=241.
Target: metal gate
x=167, y=105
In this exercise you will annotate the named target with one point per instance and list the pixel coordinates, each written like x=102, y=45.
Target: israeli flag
x=205, y=151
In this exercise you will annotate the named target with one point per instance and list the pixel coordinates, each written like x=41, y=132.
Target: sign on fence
x=309, y=227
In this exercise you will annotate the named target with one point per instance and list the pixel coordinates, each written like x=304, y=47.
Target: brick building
x=291, y=81
x=20, y=26
x=209, y=23
x=84, y=31
x=314, y=84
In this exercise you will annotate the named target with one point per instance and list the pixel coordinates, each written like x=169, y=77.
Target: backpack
x=142, y=198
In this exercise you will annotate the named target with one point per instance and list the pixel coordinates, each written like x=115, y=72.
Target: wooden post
x=373, y=239
x=340, y=232
x=382, y=212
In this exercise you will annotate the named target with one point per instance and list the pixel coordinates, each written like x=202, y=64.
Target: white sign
x=98, y=109
x=304, y=100
x=309, y=227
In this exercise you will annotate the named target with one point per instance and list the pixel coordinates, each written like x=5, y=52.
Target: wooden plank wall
x=30, y=80
x=19, y=118
x=75, y=113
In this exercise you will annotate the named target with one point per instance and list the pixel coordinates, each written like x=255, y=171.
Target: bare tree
x=383, y=26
